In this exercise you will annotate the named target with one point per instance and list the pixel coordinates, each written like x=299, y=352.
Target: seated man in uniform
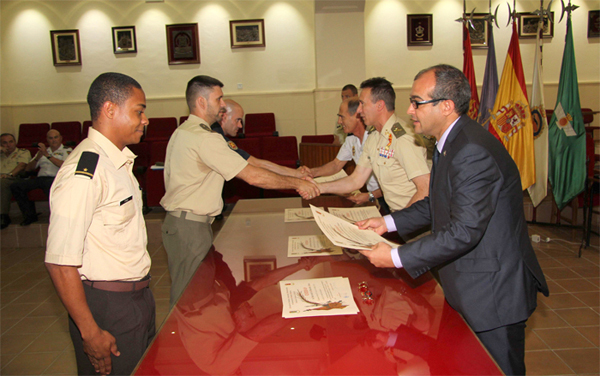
x=48, y=159
x=13, y=163
x=352, y=148
x=348, y=92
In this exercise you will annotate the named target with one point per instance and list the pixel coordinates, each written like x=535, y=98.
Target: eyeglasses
x=415, y=104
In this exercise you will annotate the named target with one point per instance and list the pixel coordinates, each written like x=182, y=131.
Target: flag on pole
x=469, y=72
x=538, y=191
x=490, y=84
x=566, y=132
x=511, y=116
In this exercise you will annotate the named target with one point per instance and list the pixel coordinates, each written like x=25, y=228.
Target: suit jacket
x=479, y=240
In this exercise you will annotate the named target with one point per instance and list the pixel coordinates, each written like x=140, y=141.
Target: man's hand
x=380, y=255
x=98, y=348
x=376, y=224
x=43, y=150
x=359, y=199
x=308, y=189
x=303, y=171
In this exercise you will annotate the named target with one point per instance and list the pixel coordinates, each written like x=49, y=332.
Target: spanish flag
x=469, y=72
x=511, y=116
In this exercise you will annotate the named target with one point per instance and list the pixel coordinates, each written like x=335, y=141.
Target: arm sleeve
x=411, y=157
x=220, y=158
x=345, y=153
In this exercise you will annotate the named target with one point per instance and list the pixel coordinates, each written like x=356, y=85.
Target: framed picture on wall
x=65, y=47
x=479, y=31
x=594, y=24
x=528, y=23
x=183, y=46
x=419, y=29
x=124, y=40
x=247, y=33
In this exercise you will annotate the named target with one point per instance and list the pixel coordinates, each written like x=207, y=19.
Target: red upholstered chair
x=85, y=129
x=283, y=151
x=69, y=130
x=260, y=125
x=182, y=119
x=30, y=133
x=160, y=129
x=237, y=189
x=155, y=182
x=318, y=139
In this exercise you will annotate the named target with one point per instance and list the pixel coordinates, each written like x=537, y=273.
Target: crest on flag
x=510, y=118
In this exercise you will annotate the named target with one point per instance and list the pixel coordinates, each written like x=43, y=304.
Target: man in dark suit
x=479, y=241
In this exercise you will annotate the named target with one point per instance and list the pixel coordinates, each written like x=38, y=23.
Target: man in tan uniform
x=197, y=163
x=391, y=152
x=96, y=251
x=13, y=161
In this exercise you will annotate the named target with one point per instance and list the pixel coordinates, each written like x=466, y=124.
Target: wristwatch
x=371, y=197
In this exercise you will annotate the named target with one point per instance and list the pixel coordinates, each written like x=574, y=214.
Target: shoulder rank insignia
x=87, y=164
x=206, y=127
x=397, y=130
x=232, y=145
x=371, y=130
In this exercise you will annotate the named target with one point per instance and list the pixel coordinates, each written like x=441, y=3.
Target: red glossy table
x=223, y=324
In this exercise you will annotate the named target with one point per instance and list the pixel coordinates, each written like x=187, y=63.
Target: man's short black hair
x=200, y=86
x=112, y=87
x=8, y=134
x=351, y=88
x=450, y=83
x=381, y=89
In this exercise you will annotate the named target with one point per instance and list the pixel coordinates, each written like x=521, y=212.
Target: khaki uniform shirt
x=96, y=220
x=197, y=164
x=11, y=161
x=395, y=158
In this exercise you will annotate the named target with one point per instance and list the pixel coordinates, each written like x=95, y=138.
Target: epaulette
x=232, y=145
x=397, y=130
x=87, y=164
x=206, y=128
x=371, y=130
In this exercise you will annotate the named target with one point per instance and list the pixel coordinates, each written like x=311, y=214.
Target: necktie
x=436, y=156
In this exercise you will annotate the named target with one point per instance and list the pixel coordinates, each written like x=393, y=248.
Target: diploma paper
x=298, y=215
x=337, y=176
x=344, y=234
x=317, y=297
x=356, y=214
x=311, y=245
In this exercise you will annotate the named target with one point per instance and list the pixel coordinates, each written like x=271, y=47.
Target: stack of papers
x=356, y=214
x=312, y=245
x=317, y=297
x=298, y=215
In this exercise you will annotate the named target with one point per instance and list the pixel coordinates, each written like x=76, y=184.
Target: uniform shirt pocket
x=119, y=214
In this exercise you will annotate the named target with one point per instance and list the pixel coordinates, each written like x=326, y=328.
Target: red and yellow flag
x=511, y=116
x=469, y=72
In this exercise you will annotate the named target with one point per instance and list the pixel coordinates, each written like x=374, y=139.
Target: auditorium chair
x=155, y=182
x=260, y=125
x=318, y=139
x=32, y=133
x=160, y=129
x=70, y=132
x=284, y=152
x=182, y=119
x=237, y=189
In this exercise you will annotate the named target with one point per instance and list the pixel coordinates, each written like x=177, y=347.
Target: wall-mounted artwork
x=594, y=24
x=528, y=23
x=183, y=46
x=479, y=31
x=419, y=29
x=247, y=33
x=65, y=47
x=124, y=39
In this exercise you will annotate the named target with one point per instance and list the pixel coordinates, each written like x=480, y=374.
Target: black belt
x=119, y=286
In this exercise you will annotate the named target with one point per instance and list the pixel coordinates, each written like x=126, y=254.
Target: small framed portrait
x=594, y=24
x=419, y=29
x=256, y=266
x=183, y=46
x=66, y=49
x=124, y=40
x=479, y=31
x=528, y=23
x=247, y=33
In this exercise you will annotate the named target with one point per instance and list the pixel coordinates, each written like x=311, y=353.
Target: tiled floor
x=563, y=335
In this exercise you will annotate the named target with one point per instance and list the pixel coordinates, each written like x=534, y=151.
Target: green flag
x=566, y=133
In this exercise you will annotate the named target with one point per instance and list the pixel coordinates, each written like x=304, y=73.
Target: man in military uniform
x=13, y=161
x=352, y=149
x=96, y=252
x=391, y=152
x=48, y=159
x=348, y=92
x=197, y=163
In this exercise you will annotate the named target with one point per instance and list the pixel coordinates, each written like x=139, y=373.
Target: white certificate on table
x=298, y=215
x=356, y=214
x=317, y=297
x=312, y=245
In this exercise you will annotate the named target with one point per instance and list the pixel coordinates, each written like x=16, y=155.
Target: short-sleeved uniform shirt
x=395, y=158
x=197, y=164
x=96, y=220
x=47, y=168
x=352, y=149
x=243, y=153
x=9, y=162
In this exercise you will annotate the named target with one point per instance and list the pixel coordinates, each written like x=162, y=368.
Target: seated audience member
x=230, y=122
x=352, y=148
x=348, y=92
x=48, y=159
x=392, y=152
x=13, y=162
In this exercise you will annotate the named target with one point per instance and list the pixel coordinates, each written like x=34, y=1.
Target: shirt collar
x=117, y=157
x=440, y=144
